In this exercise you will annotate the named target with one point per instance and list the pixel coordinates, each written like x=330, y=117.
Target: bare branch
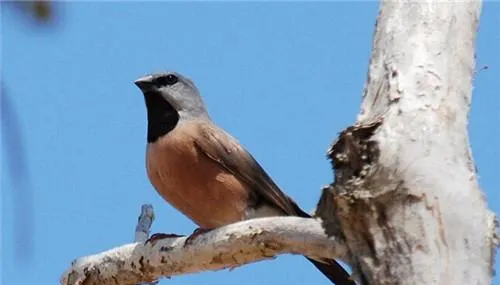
x=226, y=247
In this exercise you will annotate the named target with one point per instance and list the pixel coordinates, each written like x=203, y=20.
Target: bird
x=203, y=171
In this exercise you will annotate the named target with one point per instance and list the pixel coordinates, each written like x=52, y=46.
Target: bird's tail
x=329, y=267
x=333, y=271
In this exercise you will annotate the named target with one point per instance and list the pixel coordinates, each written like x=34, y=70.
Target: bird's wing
x=223, y=149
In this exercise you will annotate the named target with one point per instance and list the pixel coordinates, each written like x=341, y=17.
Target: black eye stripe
x=166, y=80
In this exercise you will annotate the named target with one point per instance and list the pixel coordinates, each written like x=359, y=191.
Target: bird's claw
x=158, y=236
x=195, y=234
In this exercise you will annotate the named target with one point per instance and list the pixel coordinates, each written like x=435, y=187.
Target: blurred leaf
x=42, y=12
x=15, y=156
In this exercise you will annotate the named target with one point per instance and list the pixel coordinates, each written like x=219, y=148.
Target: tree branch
x=144, y=223
x=143, y=227
x=225, y=247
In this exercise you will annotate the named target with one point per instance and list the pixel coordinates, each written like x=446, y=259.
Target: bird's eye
x=166, y=80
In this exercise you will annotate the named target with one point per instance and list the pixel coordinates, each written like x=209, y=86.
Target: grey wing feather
x=226, y=151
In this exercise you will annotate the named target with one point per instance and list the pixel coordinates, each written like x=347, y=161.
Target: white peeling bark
x=406, y=196
x=226, y=247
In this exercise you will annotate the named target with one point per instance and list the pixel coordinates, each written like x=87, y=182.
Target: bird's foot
x=158, y=236
x=195, y=234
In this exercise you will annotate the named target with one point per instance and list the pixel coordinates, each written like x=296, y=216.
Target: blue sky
x=284, y=78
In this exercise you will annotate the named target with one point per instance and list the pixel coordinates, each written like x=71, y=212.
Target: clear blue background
x=283, y=78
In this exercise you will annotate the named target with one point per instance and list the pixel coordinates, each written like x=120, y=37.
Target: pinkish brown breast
x=193, y=183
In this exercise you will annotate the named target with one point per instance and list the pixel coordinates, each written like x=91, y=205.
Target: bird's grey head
x=170, y=99
x=176, y=90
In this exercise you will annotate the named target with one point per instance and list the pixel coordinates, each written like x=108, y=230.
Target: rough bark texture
x=226, y=247
x=406, y=198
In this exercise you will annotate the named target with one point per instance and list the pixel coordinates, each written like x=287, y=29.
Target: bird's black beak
x=144, y=83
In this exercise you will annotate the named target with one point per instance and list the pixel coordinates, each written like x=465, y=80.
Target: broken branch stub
x=351, y=155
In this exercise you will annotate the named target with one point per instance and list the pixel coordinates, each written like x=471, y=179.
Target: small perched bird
x=203, y=171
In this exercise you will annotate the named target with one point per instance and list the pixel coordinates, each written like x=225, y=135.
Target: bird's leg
x=158, y=236
x=195, y=234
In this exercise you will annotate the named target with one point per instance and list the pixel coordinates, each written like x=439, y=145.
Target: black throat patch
x=162, y=117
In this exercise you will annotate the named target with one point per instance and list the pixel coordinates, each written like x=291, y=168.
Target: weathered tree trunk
x=405, y=207
x=405, y=197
